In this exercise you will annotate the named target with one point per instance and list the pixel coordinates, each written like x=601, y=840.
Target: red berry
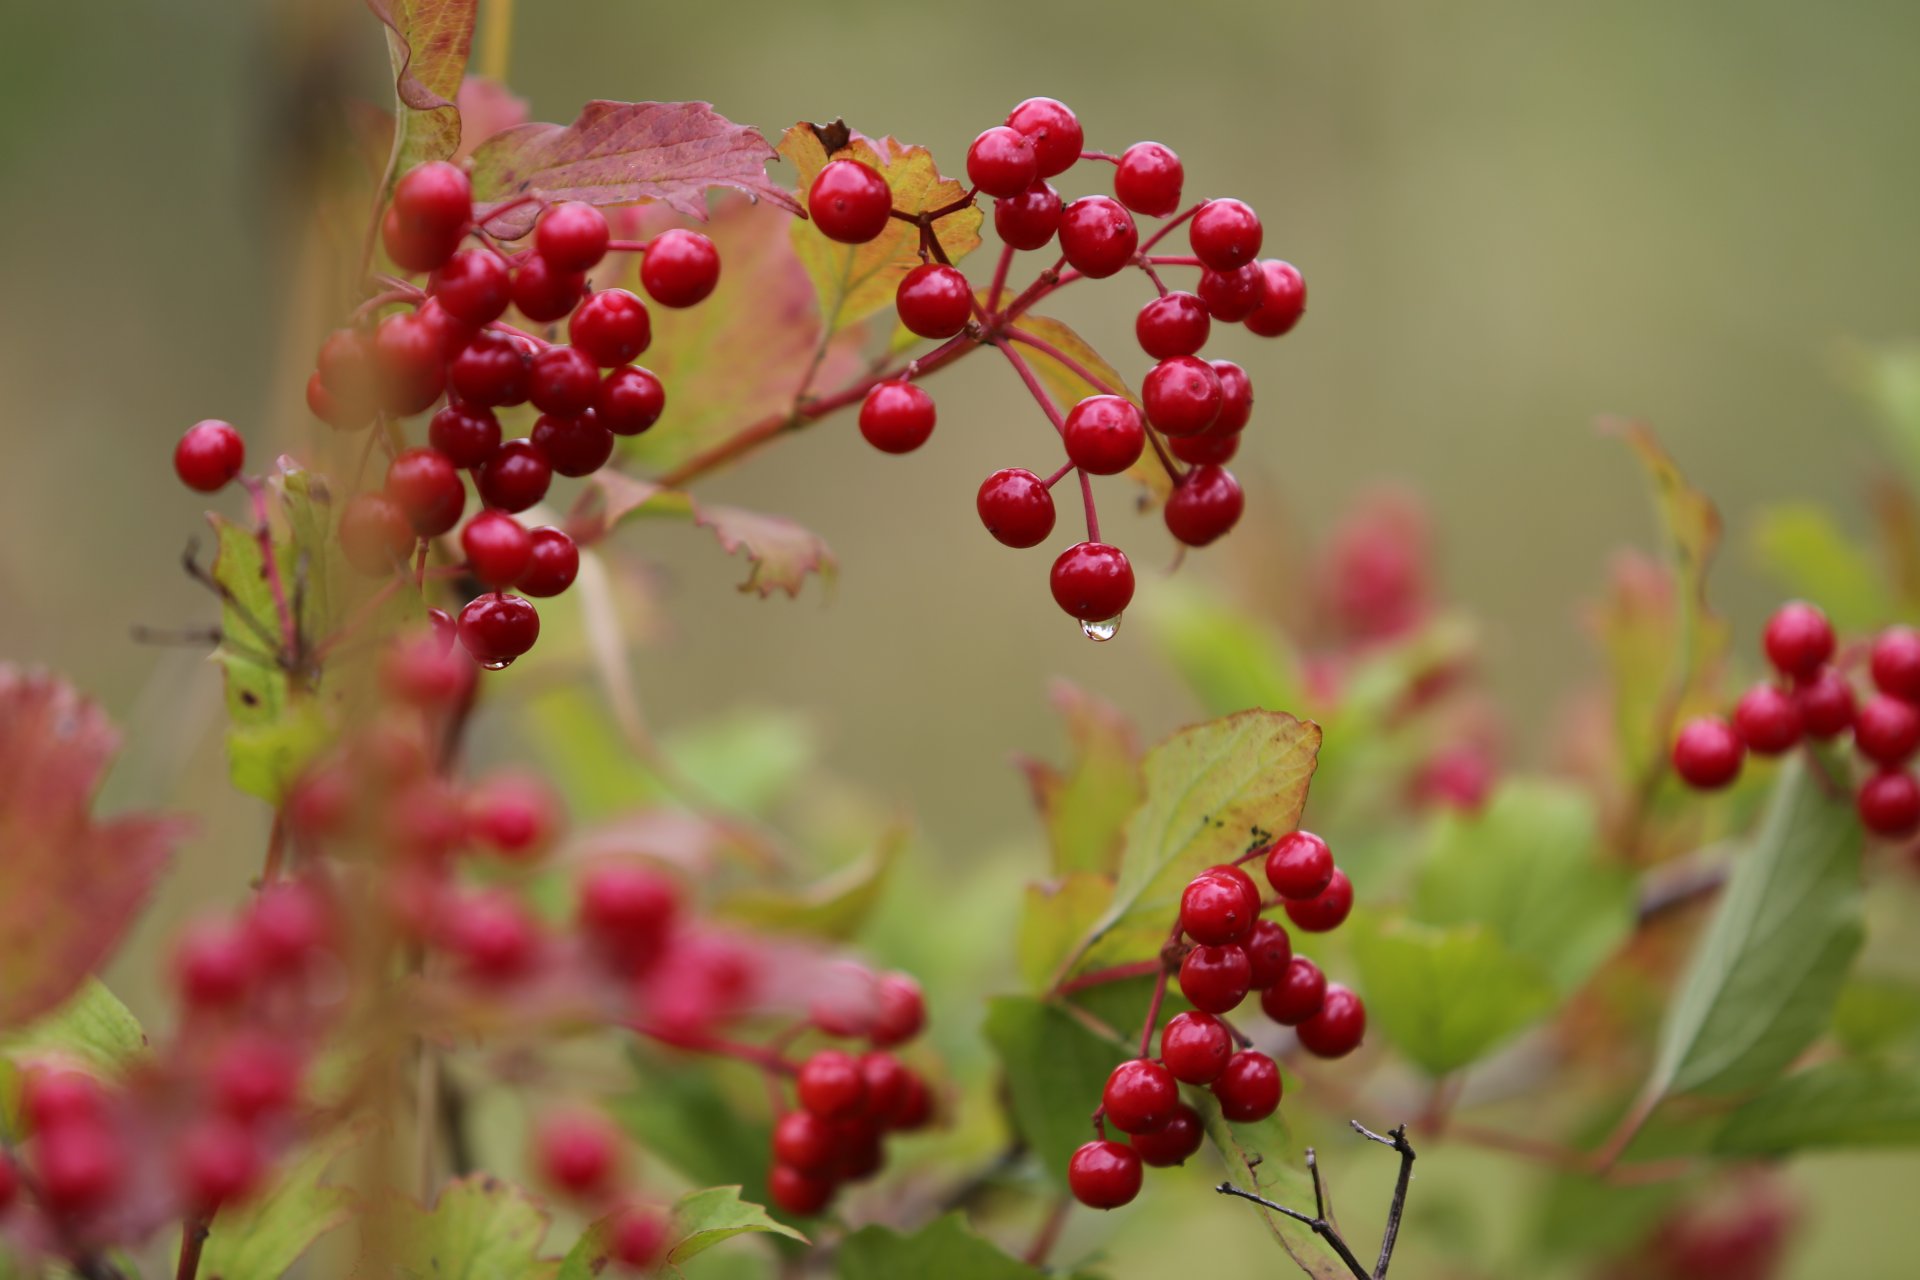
x=434, y=199
x=1298, y=995
x=680, y=268
x=1140, y=1096
x=1283, y=300
x=1149, y=179
x=1798, y=639
x=1338, y=1028
x=1174, y=325
x=896, y=417
x=497, y=628
x=1016, y=507
x=426, y=486
x=563, y=381
x=322, y=405
x=543, y=292
x=1299, y=865
x=287, y=923
x=1203, y=506
x=1217, y=909
x=1236, y=398
x=409, y=361
x=804, y=1141
x=415, y=250
x=515, y=477
x=1002, y=162
x=454, y=333
x=934, y=300
x=513, y=815
x=916, y=1109
x=1208, y=450
x=498, y=547
x=1249, y=1087
x=1097, y=236
x=571, y=236
x=492, y=371
x=850, y=202
x=610, y=328
x=1216, y=979
x=637, y=1238
x=1767, y=720
x=9, y=1183
x=1886, y=730
x=1826, y=704
x=573, y=446
x=901, y=1013
x=219, y=1162
x=53, y=1099
x=253, y=1075
x=831, y=1085
x=1054, y=131
x=555, y=563
x=1327, y=909
x=577, y=1151
x=1195, y=1046
x=630, y=401
x=213, y=965
x=1268, y=951
x=466, y=435
x=496, y=937
x=886, y=1083
x=474, y=286
x=1896, y=663
x=209, y=455
x=1182, y=395
x=1889, y=804
x=1225, y=234
x=80, y=1166
x=628, y=910
x=1104, y=435
x=1092, y=581
x=1104, y=1175
x=1030, y=219
x=345, y=366
x=375, y=534
x=1707, y=753
x=1174, y=1142
x=1232, y=296
x=797, y=1193
x=862, y=1153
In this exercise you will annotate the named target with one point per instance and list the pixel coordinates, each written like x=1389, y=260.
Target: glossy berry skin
x=1182, y=395
x=1282, y=303
x=434, y=199
x=1140, y=1096
x=1326, y=910
x=375, y=534
x=797, y=1193
x=1268, y=949
x=1707, y=753
x=1896, y=663
x=1798, y=640
x=680, y=268
x=1889, y=804
x=1826, y=704
x=1001, y=162
x=1016, y=507
x=1097, y=236
x=1173, y=1143
x=466, y=435
x=1886, y=730
x=886, y=1082
x=498, y=548
x=577, y=1152
x=515, y=477
x=1054, y=131
x=453, y=332
x=934, y=300
x=629, y=401
x=209, y=455
x=474, y=286
x=850, y=202
x=1195, y=1047
x=563, y=381
x=543, y=292
x=1149, y=178
x=1225, y=235
x=413, y=250
x=1338, y=1028
x=1092, y=581
x=1767, y=720
x=1219, y=909
x=1030, y=219
x=611, y=327
x=322, y=405
x=1203, y=506
x=553, y=564
x=901, y=1011
x=831, y=1085
x=1232, y=296
x=492, y=371
x=1249, y=1087
x=409, y=362
x=497, y=628
x=426, y=486
x=1175, y=325
x=1216, y=979
x=1298, y=995
x=1104, y=1175
x=1211, y=449
x=1299, y=865
x=1104, y=435
x=1236, y=398
x=577, y=446
x=896, y=417
x=804, y=1141
x=571, y=236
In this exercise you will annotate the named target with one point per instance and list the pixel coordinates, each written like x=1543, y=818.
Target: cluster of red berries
x=582, y=1155
x=1233, y=952
x=1190, y=409
x=448, y=342
x=1814, y=698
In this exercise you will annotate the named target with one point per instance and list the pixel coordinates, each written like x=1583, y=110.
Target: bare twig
x=1321, y=1223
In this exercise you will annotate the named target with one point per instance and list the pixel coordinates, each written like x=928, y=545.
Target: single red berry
x=1173, y=1143
x=1236, y=398
x=515, y=477
x=1097, y=236
x=630, y=401
x=1283, y=300
x=1767, y=720
x=1298, y=995
x=610, y=328
x=934, y=300
x=54, y=1099
x=414, y=250
x=1707, y=754
x=1002, y=162
x=219, y=1162
x=81, y=1167
x=1225, y=234
x=1826, y=704
x=797, y=1193
x=1210, y=449
x=497, y=628
x=1092, y=581
x=1030, y=219
x=454, y=333
x=322, y=405
x=514, y=815
x=426, y=486
x=1232, y=296
x=1268, y=951
x=554, y=564
x=345, y=366
x=375, y=534
x=209, y=455
x=1054, y=131
x=886, y=1084
x=466, y=435
x=896, y=417
x=1798, y=639
x=1889, y=804
x=577, y=1151
x=1104, y=1175
x=564, y=381
x=575, y=446
x=1195, y=1047
x=474, y=286
x=1327, y=909
x=498, y=547
x=862, y=1151
x=1174, y=325
x=572, y=236
x=637, y=1237
x=1149, y=179
x=409, y=362
x=435, y=198
x=1896, y=663
x=628, y=910
x=831, y=1085
x=850, y=202
x=253, y=1075
x=1886, y=730
x=1016, y=507
x=916, y=1109
x=1249, y=1087
x=493, y=933
x=1203, y=506
x=901, y=1010
x=1217, y=909
x=545, y=293
x=804, y=1141
x=680, y=268
x=213, y=965
x=1338, y=1028
x=1299, y=865
x=1140, y=1096
x=1182, y=395
x=1216, y=979
x=492, y=371
x=1104, y=435
x=288, y=922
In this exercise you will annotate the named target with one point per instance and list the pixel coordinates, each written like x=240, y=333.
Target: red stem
x=1026, y=373
x=1153, y=1014
x=1086, y=500
x=694, y=1042
x=1073, y=366
x=1118, y=973
x=1161, y=234
x=999, y=276
x=1171, y=259
x=1055, y=478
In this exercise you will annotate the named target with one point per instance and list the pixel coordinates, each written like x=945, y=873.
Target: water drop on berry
x=1101, y=631
x=499, y=665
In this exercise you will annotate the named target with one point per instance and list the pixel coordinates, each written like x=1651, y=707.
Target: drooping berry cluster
x=1230, y=951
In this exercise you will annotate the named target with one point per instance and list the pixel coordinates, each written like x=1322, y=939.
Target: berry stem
x=1000, y=270
x=694, y=1042
x=1108, y=156
x=1169, y=225
x=1086, y=500
x=516, y=332
x=1175, y=474
x=1170, y=259
x=1039, y=393
x=1119, y=972
x=193, y=1238
x=627, y=246
x=1153, y=1014
x=1072, y=366
x=1049, y=1234
x=1147, y=266
x=506, y=206
x=1055, y=478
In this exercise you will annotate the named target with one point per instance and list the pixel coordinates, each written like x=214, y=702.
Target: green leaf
x=1802, y=548
x=1259, y=1158
x=263, y=1238
x=684, y=1115
x=428, y=43
x=1836, y=1105
x=834, y=907
x=1055, y=1069
x=1529, y=867
x=943, y=1250
x=1085, y=805
x=479, y=1228
x=701, y=1220
x=1446, y=997
x=747, y=760
x=1875, y=1014
x=92, y=1028
x=1762, y=982
x=1054, y=918
x=1229, y=660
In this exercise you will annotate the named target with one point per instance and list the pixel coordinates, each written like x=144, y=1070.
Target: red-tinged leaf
x=781, y=552
x=624, y=153
x=1086, y=804
x=69, y=887
x=611, y=496
x=486, y=107
x=1068, y=384
x=428, y=42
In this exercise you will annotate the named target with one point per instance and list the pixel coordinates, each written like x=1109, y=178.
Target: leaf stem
x=193, y=1238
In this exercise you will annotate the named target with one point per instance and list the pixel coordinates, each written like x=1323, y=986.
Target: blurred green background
x=1511, y=216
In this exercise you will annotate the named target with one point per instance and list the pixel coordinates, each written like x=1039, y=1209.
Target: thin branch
x=1320, y=1226
x=1398, y=1142
x=193, y=1238
x=1321, y=1220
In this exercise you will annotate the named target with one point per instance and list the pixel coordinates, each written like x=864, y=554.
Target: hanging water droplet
x=1101, y=631
x=501, y=665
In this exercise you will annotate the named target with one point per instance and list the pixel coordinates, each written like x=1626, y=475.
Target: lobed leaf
x=1838, y=1105
x=480, y=1228
x=780, y=554
x=1446, y=997
x=942, y=1250
x=1055, y=1068
x=91, y=1028
x=1084, y=807
x=264, y=1237
x=1053, y=919
x=428, y=43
